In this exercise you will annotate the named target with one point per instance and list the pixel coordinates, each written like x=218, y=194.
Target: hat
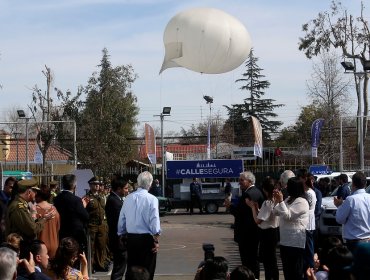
x=54, y=183
x=94, y=181
x=25, y=184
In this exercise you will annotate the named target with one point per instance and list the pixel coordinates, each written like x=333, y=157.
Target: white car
x=328, y=225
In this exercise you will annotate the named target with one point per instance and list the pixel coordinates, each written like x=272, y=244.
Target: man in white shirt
x=354, y=213
x=139, y=221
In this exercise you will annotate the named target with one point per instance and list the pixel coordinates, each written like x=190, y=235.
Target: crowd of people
x=51, y=234
x=286, y=212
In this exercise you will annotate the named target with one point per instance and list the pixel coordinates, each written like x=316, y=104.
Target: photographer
x=212, y=268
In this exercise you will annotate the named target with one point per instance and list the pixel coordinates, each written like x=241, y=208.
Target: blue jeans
x=309, y=250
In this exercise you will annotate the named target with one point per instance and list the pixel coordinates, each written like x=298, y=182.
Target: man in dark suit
x=29, y=269
x=112, y=209
x=73, y=215
x=246, y=231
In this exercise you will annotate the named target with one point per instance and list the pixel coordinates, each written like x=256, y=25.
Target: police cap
x=26, y=184
x=94, y=181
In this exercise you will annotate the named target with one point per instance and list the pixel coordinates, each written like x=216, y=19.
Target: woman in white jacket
x=293, y=213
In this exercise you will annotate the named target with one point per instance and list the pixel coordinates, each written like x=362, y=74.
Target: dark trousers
x=139, y=253
x=267, y=252
x=195, y=200
x=292, y=259
x=119, y=264
x=248, y=250
x=309, y=250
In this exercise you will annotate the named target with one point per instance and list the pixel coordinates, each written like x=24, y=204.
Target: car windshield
x=334, y=193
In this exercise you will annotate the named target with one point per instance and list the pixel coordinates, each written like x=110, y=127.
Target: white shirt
x=139, y=214
x=354, y=214
x=293, y=222
x=269, y=219
x=311, y=197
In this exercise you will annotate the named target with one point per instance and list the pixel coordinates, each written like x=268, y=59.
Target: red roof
x=54, y=153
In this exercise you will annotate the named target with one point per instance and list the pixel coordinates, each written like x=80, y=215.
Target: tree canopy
x=254, y=85
x=337, y=29
x=108, y=118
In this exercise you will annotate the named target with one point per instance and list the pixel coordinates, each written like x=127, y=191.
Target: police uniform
x=18, y=217
x=98, y=228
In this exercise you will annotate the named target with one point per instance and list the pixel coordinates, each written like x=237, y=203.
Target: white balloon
x=205, y=40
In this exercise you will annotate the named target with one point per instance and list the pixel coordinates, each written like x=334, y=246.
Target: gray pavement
x=181, y=244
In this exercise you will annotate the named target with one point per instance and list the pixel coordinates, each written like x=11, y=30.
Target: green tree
x=49, y=115
x=197, y=133
x=108, y=118
x=351, y=35
x=254, y=105
x=299, y=134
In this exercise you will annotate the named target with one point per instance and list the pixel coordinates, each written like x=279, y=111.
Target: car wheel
x=211, y=207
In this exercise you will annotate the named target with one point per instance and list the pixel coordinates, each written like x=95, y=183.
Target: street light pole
x=348, y=66
x=361, y=122
x=165, y=112
x=163, y=156
x=209, y=101
x=16, y=134
x=341, y=146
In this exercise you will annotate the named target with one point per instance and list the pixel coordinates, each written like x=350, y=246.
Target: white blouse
x=293, y=222
x=269, y=219
x=311, y=197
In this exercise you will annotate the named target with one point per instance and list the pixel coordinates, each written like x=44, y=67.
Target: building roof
x=176, y=149
x=54, y=153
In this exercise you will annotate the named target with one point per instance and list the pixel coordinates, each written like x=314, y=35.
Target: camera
x=209, y=251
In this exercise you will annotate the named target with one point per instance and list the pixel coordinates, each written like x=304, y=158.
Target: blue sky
x=68, y=36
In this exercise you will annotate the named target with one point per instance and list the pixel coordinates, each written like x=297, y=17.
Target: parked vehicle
x=328, y=225
x=213, y=196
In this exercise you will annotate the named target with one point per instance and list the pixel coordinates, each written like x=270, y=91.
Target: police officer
x=97, y=226
x=18, y=218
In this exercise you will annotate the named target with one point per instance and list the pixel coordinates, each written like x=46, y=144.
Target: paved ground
x=181, y=244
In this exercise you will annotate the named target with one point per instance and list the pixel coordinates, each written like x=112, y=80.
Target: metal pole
x=74, y=144
x=27, y=161
x=361, y=130
x=17, y=153
x=163, y=156
x=209, y=133
x=341, y=146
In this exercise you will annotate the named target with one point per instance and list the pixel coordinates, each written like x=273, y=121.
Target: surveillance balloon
x=205, y=40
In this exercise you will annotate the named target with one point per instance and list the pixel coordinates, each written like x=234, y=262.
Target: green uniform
x=98, y=229
x=19, y=220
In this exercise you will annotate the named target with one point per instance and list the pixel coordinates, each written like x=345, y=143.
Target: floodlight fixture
x=21, y=114
x=367, y=65
x=166, y=110
x=348, y=66
x=208, y=99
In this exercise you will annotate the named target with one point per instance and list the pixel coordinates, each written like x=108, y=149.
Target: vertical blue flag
x=315, y=135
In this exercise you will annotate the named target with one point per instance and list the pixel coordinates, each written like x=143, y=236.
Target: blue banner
x=219, y=168
x=315, y=135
